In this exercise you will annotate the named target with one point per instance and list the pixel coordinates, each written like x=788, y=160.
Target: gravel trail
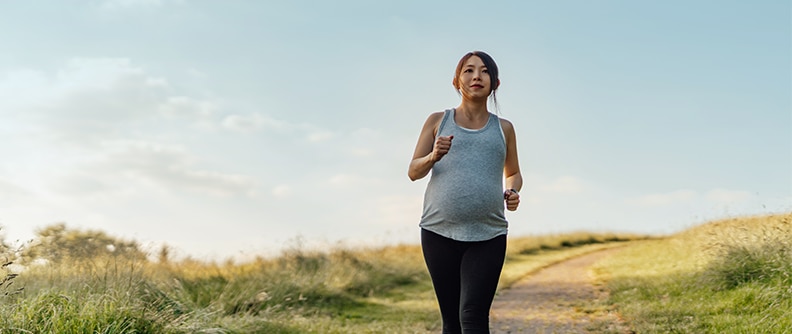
x=561, y=298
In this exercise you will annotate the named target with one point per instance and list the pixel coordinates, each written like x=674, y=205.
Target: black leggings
x=465, y=277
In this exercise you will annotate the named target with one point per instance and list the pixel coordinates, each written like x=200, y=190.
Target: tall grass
x=341, y=290
x=728, y=276
x=746, y=252
x=536, y=244
x=7, y=279
x=118, y=295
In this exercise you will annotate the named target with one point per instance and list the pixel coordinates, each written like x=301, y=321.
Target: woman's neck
x=473, y=109
x=472, y=115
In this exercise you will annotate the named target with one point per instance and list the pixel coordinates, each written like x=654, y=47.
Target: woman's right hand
x=441, y=146
x=430, y=148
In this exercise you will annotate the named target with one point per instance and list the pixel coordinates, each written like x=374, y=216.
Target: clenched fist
x=441, y=146
x=512, y=198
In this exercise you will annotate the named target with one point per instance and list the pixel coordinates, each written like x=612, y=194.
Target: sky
x=229, y=129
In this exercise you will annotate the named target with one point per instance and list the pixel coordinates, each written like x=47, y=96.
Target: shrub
x=760, y=253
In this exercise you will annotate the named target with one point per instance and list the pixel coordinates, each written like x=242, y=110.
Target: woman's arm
x=511, y=167
x=428, y=150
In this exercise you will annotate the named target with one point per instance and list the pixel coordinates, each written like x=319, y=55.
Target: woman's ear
x=497, y=84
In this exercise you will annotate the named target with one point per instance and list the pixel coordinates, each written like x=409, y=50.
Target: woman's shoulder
x=437, y=114
x=506, y=124
x=433, y=122
x=435, y=117
x=508, y=129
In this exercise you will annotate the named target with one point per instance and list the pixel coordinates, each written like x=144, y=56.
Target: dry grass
x=528, y=254
x=727, y=276
x=341, y=290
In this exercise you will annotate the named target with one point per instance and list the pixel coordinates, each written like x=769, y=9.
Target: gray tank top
x=464, y=196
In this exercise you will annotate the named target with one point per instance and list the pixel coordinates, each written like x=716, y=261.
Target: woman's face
x=474, y=79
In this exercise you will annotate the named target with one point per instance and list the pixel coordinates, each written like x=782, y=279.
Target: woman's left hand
x=512, y=199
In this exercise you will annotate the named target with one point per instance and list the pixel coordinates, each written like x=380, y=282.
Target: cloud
x=173, y=166
x=196, y=73
x=87, y=100
x=716, y=197
x=664, y=199
x=282, y=191
x=257, y=122
x=108, y=122
x=254, y=122
x=345, y=180
x=365, y=142
x=361, y=152
x=10, y=192
x=397, y=210
x=22, y=88
x=186, y=107
x=726, y=196
x=95, y=93
x=564, y=185
x=541, y=190
x=320, y=136
x=128, y=164
x=105, y=88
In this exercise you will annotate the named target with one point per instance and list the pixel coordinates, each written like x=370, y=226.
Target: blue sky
x=233, y=128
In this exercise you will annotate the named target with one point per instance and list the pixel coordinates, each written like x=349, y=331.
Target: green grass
x=729, y=276
x=373, y=290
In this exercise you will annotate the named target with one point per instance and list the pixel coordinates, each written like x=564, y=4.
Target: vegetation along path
x=561, y=298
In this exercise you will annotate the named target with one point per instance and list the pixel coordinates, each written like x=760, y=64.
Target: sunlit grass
x=341, y=290
x=528, y=254
x=729, y=276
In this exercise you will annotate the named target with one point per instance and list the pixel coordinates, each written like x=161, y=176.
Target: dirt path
x=558, y=299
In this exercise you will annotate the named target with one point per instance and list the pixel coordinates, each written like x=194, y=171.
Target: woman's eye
x=468, y=71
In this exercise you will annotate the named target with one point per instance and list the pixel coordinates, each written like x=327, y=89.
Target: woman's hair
x=492, y=69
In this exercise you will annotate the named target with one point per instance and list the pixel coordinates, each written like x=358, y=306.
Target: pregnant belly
x=471, y=206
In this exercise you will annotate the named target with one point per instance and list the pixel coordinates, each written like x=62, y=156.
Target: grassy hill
x=728, y=276
x=382, y=290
